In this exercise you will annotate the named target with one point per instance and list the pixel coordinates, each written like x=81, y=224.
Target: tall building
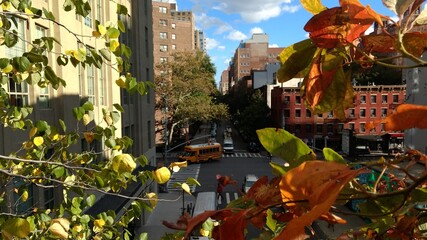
x=200, y=40
x=84, y=83
x=252, y=54
x=173, y=30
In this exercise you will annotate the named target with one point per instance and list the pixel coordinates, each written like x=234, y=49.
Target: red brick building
x=371, y=103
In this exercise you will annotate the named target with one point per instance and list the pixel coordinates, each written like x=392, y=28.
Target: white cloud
x=255, y=10
x=273, y=45
x=204, y=21
x=211, y=43
x=221, y=47
x=236, y=35
x=227, y=61
x=256, y=30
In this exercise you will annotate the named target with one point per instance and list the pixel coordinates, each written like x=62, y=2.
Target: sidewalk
x=169, y=208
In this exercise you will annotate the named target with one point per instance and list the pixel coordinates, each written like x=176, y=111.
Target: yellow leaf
x=69, y=52
x=114, y=44
x=162, y=175
x=78, y=228
x=186, y=188
x=121, y=83
x=24, y=196
x=98, y=225
x=60, y=227
x=123, y=163
x=7, y=69
x=96, y=34
x=153, y=199
x=55, y=136
x=86, y=119
x=28, y=11
x=101, y=29
x=175, y=166
x=6, y=6
x=38, y=141
x=33, y=132
x=27, y=145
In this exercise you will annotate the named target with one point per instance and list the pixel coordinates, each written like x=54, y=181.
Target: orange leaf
x=233, y=227
x=318, y=182
x=341, y=25
x=405, y=117
x=89, y=136
x=381, y=43
x=415, y=43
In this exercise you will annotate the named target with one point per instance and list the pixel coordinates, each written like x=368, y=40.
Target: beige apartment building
x=84, y=83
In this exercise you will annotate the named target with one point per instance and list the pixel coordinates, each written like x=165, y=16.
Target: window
x=362, y=127
x=362, y=99
x=319, y=128
x=298, y=99
x=101, y=86
x=163, y=35
x=362, y=112
x=382, y=127
x=173, y=25
x=287, y=99
x=297, y=113
x=373, y=112
x=163, y=10
x=163, y=60
x=163, y=48
x=330, y=114
x=383, y=112
x=297, y=128
x=43, y=97
x=351, y=126
x=395, y=98
x=351, y=113
x=90, y=78
x=173, y=46
x=88, y=18
x=163, y=22
x=340, y=127
x=18, y=92
x=384, y=98
x=308, y=128
x=319, y=115
x=287, y=113
x=373, y=99
x=308, y=113
x=173, y=36
x=330, y=128
x=99, y=10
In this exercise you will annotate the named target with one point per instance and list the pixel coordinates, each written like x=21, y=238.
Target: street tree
x=186, y=86
x=306, y=189
x=47, y=158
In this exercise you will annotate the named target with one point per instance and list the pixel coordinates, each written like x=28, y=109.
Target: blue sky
x=227, y=22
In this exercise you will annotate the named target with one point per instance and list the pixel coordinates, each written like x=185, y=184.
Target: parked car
x=249, y=180
x=362, y=150
x=253, y=147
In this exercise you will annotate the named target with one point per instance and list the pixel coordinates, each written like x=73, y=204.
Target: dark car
x=253, y=147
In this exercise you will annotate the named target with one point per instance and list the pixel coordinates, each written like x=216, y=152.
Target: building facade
x=84, y=83
x=371, y=103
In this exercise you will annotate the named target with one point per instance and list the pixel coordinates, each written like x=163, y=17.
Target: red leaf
x=381, y=43
x=233, y=227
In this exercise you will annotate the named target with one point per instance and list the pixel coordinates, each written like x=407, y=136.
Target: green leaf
x=42, y=126
x=121, y=26
x=278, y=169
x=332, y=156
x=62, y=60
x=85, y=219
x=90, y=200
x=295, y=59
x=118, y=107
x=34, y=78
x=50, y=75
x=113, y=32
x=115, y=116
x=99, y=181
x=105, y=53
x=78, y=113
x=58, y=172
x=313, y=6
x=10, y=38
x=143, y=236
x=48, y=14
x=279, y=142
x=142, y=160
x=4, y=62
x=22, y=64
x=17, y=227
x=88, y=106
x=110, y=142
x=193, y=181
x=121, y=10
x=63, y=126
x=34, y=57
x=271, y=222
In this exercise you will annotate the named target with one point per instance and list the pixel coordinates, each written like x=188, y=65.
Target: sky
x=226, y=23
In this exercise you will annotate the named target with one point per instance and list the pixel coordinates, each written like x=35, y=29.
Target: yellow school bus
x=201, y=152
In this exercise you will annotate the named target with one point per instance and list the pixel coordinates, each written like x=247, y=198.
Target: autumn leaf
x=313, y=6
x=38, y=141
x=319, y=183
x=379, y=43
x=234, y=227
x=89, y=136
x=415, y=43
x=406, y=116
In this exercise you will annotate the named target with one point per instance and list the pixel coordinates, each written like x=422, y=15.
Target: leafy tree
x=47, y=158
x=306, y=189
x=186, y=85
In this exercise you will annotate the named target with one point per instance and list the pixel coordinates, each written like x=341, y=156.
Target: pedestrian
x=219, y=189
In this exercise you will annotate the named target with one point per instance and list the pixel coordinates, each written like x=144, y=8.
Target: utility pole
x=165, y=135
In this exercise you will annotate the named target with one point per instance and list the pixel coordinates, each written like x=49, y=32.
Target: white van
x=228, y=146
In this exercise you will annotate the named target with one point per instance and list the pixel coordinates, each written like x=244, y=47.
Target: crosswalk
x=243, y=154
x=181, y=176
x=228, y=197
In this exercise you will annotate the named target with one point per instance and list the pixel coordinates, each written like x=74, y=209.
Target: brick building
x=371, y=103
